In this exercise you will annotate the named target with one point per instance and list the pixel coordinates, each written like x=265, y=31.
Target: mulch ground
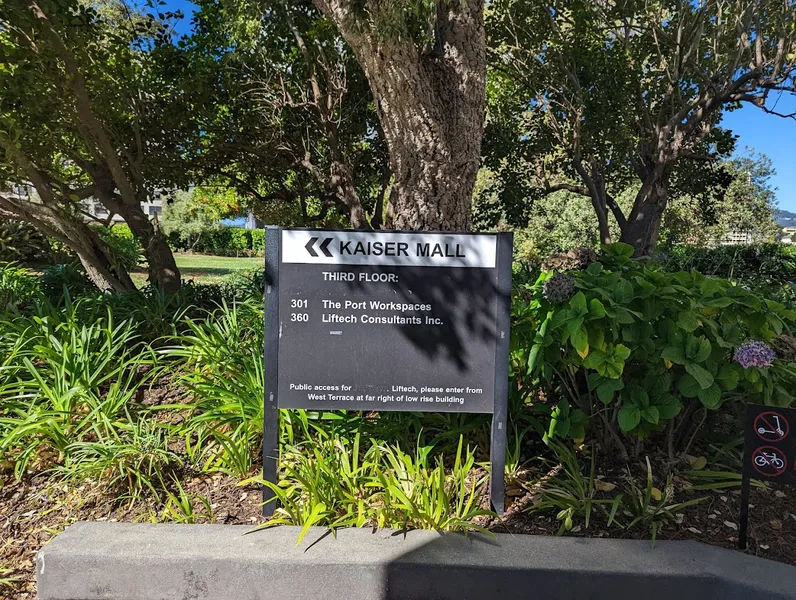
x=36, y=509
x=715, y=521
x=32, y=512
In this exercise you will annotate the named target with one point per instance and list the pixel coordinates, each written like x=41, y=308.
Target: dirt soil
x=715, y=520
x=34, y=510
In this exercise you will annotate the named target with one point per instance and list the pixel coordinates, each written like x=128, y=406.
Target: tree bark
x=89, y=247
x=162, y=266
x=163, y=269
x=343, y=182
x=430, y=104
x=643, y=225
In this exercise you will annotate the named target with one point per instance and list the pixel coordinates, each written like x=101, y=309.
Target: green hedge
x=224, y=241
x=767, y=264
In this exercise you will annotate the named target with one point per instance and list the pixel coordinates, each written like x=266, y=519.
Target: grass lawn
x=203, y=268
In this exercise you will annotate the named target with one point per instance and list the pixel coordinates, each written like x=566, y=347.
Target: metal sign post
x=387, y=321
x=271, y=369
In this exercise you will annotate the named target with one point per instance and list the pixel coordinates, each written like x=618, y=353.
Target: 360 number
x=299, y=317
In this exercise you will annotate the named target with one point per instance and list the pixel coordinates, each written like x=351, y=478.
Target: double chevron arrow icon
x=324, y=246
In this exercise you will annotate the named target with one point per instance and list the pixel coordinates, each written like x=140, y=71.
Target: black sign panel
x=770, y=444
x=389, y=321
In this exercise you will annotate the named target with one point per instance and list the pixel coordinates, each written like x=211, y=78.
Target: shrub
x=239, y=239
x=636, y=345
x=258, y=241
x=68, y=278
x=124, y=246
x=332, y=482
x=20, y=242
x=17, y=287
x=758, y=264
x=65, y=386
x=219, y=240
x=227, y=381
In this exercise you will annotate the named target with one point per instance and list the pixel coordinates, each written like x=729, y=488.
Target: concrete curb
x=115, y=561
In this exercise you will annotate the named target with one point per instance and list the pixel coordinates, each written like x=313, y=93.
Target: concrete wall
x=92, y=561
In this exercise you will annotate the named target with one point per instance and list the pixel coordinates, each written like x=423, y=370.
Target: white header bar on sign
x=389, y=249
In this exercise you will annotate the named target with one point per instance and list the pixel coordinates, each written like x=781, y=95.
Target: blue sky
x=765, y=133
x=187, y=8
x=773, y=136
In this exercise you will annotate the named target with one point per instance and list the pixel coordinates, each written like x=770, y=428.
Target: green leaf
x=689, y=386
x=702, y=375
x=639, y=397
x=578, y=304
x=728, y=377
x=607, y=389
x=622, y=292
x=594, y=269
x=596, y=308
x=711, y=397
x=623, y=316
x=668, y=406
x=574, y=324
x=621, y=352
x=619, y=249
x=314, y=517
x=629, y=417
x=704, y=350
x=673, y=354
x=658, y=383
x=533, y=357
x=559, y=420
x=580, y=341
x=651, y=415
x=594, y=360
x=577, y=424
x=687, y=321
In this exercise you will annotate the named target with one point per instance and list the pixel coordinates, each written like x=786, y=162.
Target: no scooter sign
x=769, y=453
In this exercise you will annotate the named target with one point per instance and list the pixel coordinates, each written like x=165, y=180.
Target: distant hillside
x=785, y=218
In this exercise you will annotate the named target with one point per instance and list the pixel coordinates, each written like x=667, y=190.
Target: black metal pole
x=270, y=357
x=497, y=450
x=743, y=526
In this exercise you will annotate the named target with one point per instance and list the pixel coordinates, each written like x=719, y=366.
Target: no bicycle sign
x=387, y=321
x=769, y=453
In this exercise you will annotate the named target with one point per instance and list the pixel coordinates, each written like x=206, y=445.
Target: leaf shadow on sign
x=464, y=299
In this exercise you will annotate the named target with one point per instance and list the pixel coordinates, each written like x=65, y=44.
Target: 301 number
x=298, y=303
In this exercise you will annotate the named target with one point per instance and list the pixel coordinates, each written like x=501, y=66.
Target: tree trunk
x=163, y=269
x=162, y=266
x=644, y=223
x=99, y=268
x=76, y=235
x=343, y=182
x=602, y=221
x=430, y=104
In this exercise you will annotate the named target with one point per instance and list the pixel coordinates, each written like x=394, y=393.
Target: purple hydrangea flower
x=754, y=354
x=559, y=288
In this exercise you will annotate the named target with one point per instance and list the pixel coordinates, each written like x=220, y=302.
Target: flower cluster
x=559, y=288
x=754, y=354
x=575, y=259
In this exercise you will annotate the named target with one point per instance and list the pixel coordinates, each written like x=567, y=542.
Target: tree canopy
x=608, y=93
x=372, y=114
x=79, y=118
